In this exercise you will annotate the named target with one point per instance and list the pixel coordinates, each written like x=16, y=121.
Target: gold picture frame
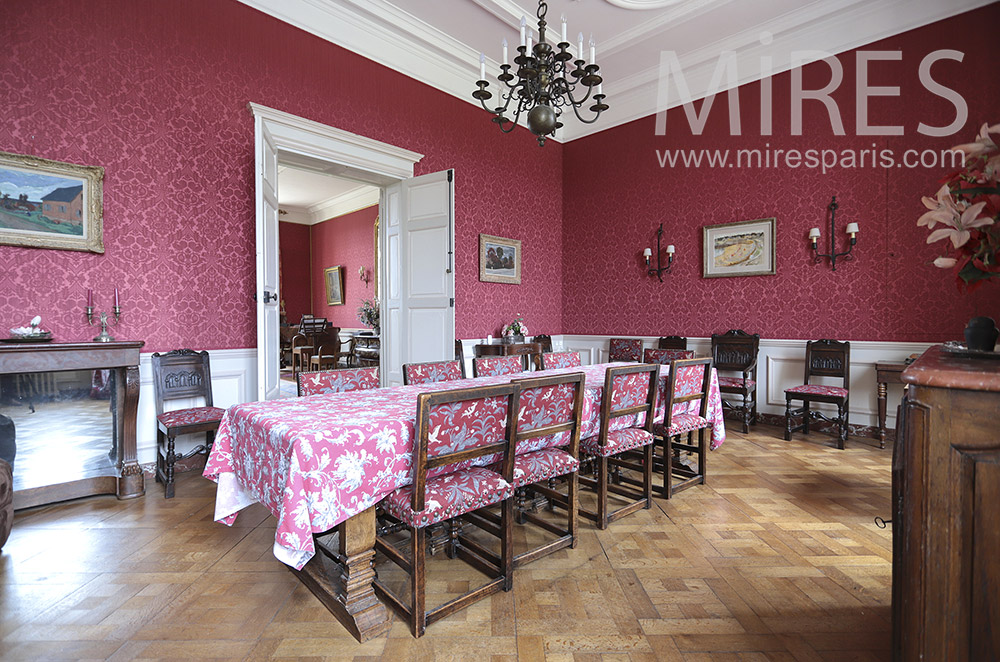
x=744, y=248
x=51, y=204
x=499, y=259
x=334, y=279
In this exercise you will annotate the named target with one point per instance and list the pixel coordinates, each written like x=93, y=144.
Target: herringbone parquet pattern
x=776, y=558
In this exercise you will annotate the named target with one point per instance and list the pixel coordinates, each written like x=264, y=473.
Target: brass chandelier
x=545, y=82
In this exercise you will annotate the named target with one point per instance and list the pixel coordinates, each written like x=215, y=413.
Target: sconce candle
x=90, y=298
x=116, y=298
x=852, y=230
x=647, y=253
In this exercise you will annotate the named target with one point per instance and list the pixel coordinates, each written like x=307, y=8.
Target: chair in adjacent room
x=665, y=356
x=736, y=351
x=337, y=381
x=181, y=373
x=304, y=342
x=672, y=342
x=685, y=413
x=552, y=360
x=327, y=354
x=626, y=425
x=489, y=366
x=624, y=349
x=432, y=371
x=824, y=358
x=445, y=487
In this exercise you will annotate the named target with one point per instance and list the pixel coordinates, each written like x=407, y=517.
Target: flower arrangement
x=368, y=313
x=967, y=205
x=516, y=328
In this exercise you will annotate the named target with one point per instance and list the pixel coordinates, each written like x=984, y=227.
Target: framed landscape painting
x=499, y=259
x=50, y=204
x=334, y=277
x=745, y=248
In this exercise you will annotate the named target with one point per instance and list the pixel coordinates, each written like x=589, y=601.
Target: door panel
x=268, y=312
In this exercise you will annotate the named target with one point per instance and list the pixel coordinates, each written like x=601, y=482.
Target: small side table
x=886, y=372
x=498, y=347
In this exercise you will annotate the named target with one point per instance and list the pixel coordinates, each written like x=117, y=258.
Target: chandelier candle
x=547, y=81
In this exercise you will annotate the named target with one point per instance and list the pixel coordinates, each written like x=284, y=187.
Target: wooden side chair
x=304, y=342
x=665, y=356
x=181, y=373
x=446, y=487
x=736, y=351
x=624, y=349
x=629, y=391
x=672, y=342
x=327, y=354
x=824, y=358
x=489, y=366
x=688, y=383
x=337, y=381
x=545, y=340
x=552, y=360
x=433, y=371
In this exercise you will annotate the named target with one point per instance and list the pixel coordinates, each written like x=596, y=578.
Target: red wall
x=347, y=241
x=296, y=261
x=615, y=195
x=157, y=93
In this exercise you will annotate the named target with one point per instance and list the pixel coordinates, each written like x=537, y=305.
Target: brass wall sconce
x=647, y=253
x=852, y=230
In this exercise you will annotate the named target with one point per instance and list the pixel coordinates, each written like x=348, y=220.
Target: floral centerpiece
x=516, y=328
x=968, y=206
x=368, y=314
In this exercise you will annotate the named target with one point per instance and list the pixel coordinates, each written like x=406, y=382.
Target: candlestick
x=116, y=297
x=90, y=298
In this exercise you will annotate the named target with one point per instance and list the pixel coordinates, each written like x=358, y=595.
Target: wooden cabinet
x=946, y=520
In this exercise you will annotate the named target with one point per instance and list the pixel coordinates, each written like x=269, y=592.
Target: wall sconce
x=852, y=229
x=647, y=253
x=364, y=275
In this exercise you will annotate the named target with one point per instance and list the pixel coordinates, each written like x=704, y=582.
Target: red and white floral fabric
x=432, y=373
x=619, y=441
x=337, y=381
x=735, y=382
x=449, y=496
x=819, y=389
x=681, y=423
x=552, y=360
x=544, y=406
x=624, y=349
x=314, y=462
x=665, y=356
x=190, y=416
x=464, y=425
x=491, y=366
x=541, y=465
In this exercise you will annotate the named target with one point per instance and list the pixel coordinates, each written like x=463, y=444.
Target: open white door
x=268, y=314
x=419, y=288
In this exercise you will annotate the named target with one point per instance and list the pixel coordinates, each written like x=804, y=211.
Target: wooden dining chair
x=672, y=342
x=433, y=371
x=552, y=360
x=736, y=351
x=686, y=393
x=489, y=366
x=327, y=354
x=624, y=349
x=545, y=340
x=445, y=487
x=304, y=342
x=182, y=374
x=337, y=381
x=665, y=356
x=824, y=358
x=626, y=425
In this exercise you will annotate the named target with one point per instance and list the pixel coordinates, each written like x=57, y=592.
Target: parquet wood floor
x=776, y=558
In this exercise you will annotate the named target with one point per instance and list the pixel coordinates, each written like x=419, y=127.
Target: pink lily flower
x=960, y=226
x=983, y=144
x=942, y=209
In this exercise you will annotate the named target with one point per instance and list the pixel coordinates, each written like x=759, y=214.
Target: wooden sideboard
x=946, y=511
x=123, y=359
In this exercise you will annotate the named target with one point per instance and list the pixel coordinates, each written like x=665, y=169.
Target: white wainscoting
x=234, y=380
x=781, y=364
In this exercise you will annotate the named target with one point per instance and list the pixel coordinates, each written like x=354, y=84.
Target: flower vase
x=517, y=337
x=981, y=334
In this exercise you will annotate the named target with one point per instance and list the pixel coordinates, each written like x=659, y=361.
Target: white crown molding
x=384, y=33
x=344, y=204
x=295, y=214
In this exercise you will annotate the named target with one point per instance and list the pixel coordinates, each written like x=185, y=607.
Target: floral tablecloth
x=316, y=461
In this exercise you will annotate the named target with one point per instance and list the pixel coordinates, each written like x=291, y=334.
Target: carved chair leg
x=168, y=491
x=602, y=492
x=161, y=469
x=745, y=414
x=647, y=475
x=788, y=419
x=418, y=605
x=842, y=427
x=806, y=414
x=754, y=409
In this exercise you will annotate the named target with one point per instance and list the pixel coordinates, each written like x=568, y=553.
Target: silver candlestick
x=104, y=336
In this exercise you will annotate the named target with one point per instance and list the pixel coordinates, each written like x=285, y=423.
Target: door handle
x=268, y=297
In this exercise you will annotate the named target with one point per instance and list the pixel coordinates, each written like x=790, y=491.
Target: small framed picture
x=334, y=277
x=499, y=259
x=745, y=248
x=50, y=204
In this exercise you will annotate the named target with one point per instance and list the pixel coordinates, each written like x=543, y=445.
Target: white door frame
x=369, y=160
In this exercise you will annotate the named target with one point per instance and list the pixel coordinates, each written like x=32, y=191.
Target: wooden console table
x=121, y=357
x=501, y=347
x=886, y=372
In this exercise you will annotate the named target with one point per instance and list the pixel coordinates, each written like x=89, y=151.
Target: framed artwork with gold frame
x=745, y=248
x=499, y=259
x=334, y=278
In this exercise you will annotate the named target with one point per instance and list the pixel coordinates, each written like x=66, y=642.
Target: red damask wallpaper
x=295, y=262
x=157, y=93
x=347, y=241
x=615, y=195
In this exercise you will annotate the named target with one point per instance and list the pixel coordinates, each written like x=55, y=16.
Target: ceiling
x=439, y=41
x=309, y=196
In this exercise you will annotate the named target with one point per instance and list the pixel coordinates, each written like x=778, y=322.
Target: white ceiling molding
x=344, y=204
x=293, y=214
x=382, y=31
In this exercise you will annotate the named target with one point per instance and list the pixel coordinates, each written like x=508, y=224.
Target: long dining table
x=324, y=461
